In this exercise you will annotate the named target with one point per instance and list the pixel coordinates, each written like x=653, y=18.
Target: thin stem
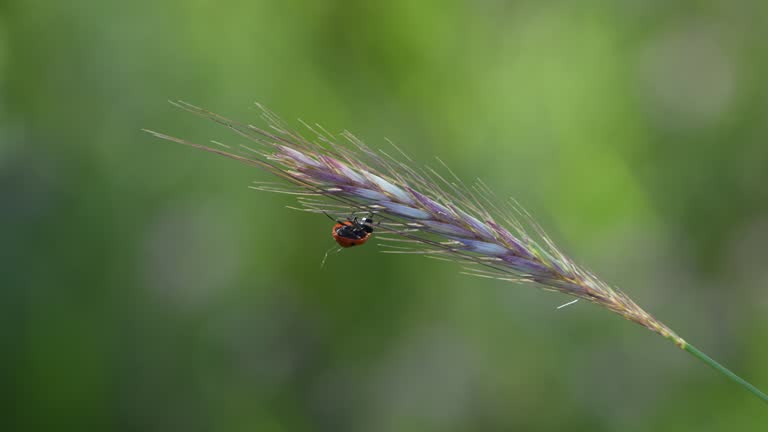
x=725, y=371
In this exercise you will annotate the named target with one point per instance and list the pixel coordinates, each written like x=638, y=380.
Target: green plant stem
x=725, y=371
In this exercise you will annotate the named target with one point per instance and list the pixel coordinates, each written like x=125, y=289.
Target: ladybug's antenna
x=329, y=217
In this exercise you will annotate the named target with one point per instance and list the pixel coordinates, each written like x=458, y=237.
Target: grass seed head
x=425, y=212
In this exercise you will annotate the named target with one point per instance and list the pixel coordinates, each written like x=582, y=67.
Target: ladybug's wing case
x=346, y=235
x=335, y=232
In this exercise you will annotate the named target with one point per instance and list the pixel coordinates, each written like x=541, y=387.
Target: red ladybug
x=350, y=233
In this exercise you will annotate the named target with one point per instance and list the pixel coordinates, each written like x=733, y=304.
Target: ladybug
x=352, y=232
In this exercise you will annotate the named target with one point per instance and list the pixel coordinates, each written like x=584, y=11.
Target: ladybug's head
x=367, y=224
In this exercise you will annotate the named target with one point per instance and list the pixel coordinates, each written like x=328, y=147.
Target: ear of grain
x=425, y=212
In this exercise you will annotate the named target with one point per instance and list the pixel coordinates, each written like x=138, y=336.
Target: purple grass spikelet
x=423, y=211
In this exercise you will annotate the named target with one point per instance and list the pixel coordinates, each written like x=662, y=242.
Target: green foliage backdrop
x=144, y=287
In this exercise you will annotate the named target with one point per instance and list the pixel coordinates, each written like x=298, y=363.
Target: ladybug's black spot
x=354, y=230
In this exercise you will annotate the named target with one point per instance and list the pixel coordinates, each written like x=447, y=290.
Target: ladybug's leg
x=322, y=263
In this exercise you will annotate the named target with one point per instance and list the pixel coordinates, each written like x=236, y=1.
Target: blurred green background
x=144, y=287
